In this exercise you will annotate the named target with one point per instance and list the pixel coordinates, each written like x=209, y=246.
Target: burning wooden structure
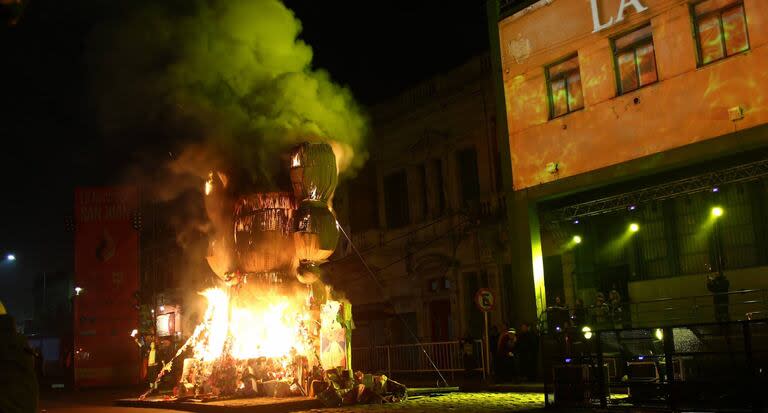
x=274, y=326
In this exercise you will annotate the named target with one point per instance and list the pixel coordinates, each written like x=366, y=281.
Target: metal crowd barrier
x=448, y=356
x=742, y=305
x=701, y=366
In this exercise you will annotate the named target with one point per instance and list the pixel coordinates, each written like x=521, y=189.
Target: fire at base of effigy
x=274, y=327
x=257, y=340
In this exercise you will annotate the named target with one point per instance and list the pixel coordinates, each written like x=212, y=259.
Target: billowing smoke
x=229, y=75
x=201, y=85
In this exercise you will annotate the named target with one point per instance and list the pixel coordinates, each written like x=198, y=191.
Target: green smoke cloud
x=229, y=74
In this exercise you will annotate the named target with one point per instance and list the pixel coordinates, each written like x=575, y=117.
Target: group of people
x=604, y=311
x=515, y=353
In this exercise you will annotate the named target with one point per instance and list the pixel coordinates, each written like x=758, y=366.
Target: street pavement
x=101, y=401
x=452, y=402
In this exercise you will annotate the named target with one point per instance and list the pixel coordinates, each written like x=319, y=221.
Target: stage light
x=78, y=290
x=587, y=332
x=10, y=257
x=659, y=334
x=717, y=212
x=715, y=189
x=632, y=207
x=577, y=239
x=633, y=227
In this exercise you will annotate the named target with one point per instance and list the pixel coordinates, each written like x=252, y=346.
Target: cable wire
x=378, y=284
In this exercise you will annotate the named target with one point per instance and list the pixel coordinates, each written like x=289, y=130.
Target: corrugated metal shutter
x=693, y=241
x=737, y=229
x=654, y=248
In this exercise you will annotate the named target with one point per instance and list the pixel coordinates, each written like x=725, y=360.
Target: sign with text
x=107, y=271
x=624, y=6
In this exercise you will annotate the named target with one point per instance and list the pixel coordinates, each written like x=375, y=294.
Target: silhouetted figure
x=579, y=313
x=718, y=286
x=505, y=355
x=614, y=302
x=493, y=339
x=601, y=310
x=527, y=350
x=557, y=315
x=18, y=384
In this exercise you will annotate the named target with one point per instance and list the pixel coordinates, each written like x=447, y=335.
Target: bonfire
x=274, y=326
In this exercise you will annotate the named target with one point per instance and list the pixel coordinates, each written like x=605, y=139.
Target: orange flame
x=209, y=184
x=273, y=326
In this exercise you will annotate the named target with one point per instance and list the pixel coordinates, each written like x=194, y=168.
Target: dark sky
x=52, y=141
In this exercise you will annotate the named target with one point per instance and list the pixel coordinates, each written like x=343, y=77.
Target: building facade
x=426, y=213
x=630, y=122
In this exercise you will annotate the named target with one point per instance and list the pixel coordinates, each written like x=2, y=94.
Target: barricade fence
x=733, y=306
x=706, y=366
x=448, y=357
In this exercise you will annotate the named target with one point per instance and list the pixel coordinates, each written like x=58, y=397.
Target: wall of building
x=689, y=103
x=431, y=265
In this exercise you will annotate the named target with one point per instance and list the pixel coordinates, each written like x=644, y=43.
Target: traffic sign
x=484, y=299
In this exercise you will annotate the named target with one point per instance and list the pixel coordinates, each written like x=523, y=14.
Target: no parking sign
x=484, y=300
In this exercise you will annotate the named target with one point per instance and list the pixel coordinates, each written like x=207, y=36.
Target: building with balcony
x=639, y=152
x=426, y=214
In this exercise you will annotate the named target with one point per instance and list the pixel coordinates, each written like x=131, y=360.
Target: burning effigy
x=273, y=327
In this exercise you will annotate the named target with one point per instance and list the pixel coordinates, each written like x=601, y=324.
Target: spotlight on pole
x=717, y=212
x=577, y=239
x=633, y=227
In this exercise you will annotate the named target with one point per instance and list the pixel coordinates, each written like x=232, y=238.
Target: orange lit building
x=645, y=112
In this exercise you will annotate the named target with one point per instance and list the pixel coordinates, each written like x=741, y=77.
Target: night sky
x=52, y=141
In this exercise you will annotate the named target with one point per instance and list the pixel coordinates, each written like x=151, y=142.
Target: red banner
x=107, y=275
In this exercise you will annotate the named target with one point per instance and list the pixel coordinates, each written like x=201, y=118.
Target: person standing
x=579, y=313
x=526, y=350
x=493, y=339
x=18, y=384
x=601, y=311
x=505, y=355
x=718, y=286
x=615, y=304
x=153, y=368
